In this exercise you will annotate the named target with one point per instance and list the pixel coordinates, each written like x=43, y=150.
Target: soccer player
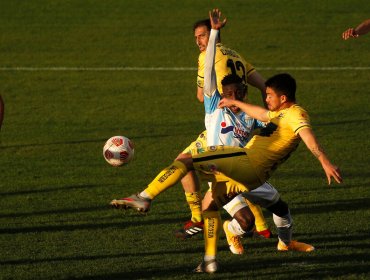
x=249, y=167
x=361, y=29
x=227, y=62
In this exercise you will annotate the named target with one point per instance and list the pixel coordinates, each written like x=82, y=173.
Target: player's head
x=202, y=30
x=233, y=88
x=280, y=91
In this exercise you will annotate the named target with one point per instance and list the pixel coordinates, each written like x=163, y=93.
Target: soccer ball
x=118, y=150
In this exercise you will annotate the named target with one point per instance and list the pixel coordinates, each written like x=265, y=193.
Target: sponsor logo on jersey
x=212, y=148
x=198, y=145
x=238, y=132
x=226, y=129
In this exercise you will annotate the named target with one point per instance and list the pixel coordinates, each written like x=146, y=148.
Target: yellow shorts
x=198, y=146
x=228, y=163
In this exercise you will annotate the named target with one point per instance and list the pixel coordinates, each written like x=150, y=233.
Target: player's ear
x=283, y=98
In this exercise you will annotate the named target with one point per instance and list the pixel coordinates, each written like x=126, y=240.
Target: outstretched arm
x=361, y=29
x=210, y=79
x=255, y=79
x=313, y=145
x=254, y=111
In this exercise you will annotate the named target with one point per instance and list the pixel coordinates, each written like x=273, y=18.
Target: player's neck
x=286, y=105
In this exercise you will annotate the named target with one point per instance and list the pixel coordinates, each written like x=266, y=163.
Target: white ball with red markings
x=118, y=150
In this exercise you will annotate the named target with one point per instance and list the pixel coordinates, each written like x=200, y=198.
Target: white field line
x=96, y=69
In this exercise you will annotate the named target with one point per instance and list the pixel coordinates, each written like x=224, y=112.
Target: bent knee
x=245, y=219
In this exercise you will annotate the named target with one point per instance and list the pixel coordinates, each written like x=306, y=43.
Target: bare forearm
x=317, y=151
x=254, y=111
x=256, y=80
x=363, y=28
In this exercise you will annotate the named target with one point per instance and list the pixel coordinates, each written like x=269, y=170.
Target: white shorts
x=264, y=196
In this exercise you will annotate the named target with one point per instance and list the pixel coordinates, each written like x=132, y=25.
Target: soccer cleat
x=264, y=233
x=234, y=241
x=189, y=230
x=134, y=201
x=207, y=266
x=295, y=246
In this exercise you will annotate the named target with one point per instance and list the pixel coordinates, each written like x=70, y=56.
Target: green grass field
x=66, y=87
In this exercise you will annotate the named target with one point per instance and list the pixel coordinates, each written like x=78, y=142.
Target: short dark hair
x=283, y=84
x=202, y=22
x=235, y=79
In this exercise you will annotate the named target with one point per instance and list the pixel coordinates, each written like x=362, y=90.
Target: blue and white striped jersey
x=222, y=125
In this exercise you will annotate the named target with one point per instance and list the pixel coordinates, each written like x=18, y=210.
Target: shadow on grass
x=90, y=226
x=195, y=249
x=335, y=205
x=301, y=266
x=51, y=189
x=99, y=140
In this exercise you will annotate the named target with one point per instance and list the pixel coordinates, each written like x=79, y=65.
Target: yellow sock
x=166, y=178
x=260, y=221
x=212, y=227
x=195, y=204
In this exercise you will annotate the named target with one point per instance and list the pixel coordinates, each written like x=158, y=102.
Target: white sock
x=145, y=195
x=209, y=258
x=235, y=228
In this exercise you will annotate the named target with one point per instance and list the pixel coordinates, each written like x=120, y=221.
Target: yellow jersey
x=274, y=143
x=227, y=61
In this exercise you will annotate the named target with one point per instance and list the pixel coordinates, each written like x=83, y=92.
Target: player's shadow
x=301, y=266
x=317, y=207
x=91, y=225
x=48, y=189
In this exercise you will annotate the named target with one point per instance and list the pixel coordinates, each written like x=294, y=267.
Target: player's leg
x=193, y=197
x=212, y=227
x=232, y=228
x=164, y=180
x=191, y=186
x=284, y=224
x=268, y=197
x=262, y=228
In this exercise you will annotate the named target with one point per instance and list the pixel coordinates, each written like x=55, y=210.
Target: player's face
x=232, y=91
x=273, y=100
x=201, y=35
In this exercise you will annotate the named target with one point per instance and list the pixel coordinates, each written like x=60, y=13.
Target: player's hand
x=215, y=18
x=333, y=171
x=225, y=102
x=350, y=32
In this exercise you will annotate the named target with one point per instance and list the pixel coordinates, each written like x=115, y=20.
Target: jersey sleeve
x=249, y=68
x=210, y=83
x=295, y=117
x=298, y=119
x=200, y=77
